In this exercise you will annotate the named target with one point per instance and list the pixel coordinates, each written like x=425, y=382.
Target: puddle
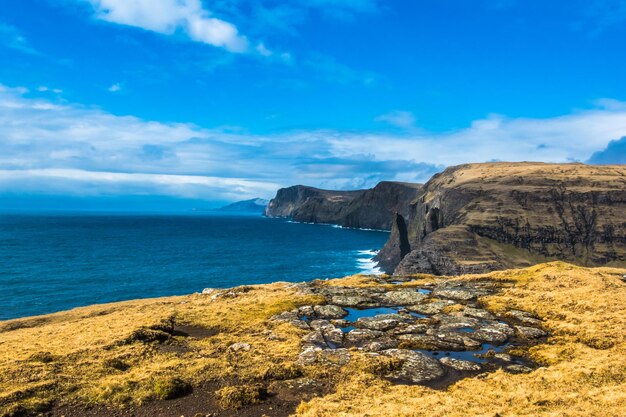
x=355, y=313
x=424, y=291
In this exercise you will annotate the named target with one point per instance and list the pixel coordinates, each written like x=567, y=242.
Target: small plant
x=240, y=396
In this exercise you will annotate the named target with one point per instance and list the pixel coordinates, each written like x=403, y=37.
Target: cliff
x=368, y=209
x=482, y=217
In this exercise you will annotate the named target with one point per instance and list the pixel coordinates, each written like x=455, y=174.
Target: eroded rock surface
x=433, y=334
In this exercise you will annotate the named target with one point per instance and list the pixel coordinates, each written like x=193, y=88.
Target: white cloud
x=169, y=16
x=78, y=150
x=115, y=88
x=397, y=118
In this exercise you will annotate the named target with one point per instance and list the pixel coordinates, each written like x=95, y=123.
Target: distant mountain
x=256, y=205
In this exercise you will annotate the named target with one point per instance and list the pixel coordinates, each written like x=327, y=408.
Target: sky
x=179, y=103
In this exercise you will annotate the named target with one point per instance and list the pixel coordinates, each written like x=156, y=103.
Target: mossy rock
x=280, y=372
x=170, y=388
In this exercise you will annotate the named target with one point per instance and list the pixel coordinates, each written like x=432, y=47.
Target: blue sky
x=220, y=100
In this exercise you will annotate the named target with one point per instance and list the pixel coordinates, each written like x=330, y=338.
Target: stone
x=333, y=336
x=351, y=300
x=478, y=313
x=240, y=346
x=456, y=292
x=405, y=328
x=208, y=291
x=379, y=344
x=524, y=317
x=330, y=312
x=402, y=298
x=490, y=335
x=308, y=356
x=380, y=322
x=459, y=364
x=306, y=311
x=530, y=332
x=430, y=308
x=416, y=367
x=359, y=336
x=457, y=338
x=503, y=357
x=315, y=338
x=518, y=369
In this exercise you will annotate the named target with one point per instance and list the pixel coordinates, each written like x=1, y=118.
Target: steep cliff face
x=482, y=217
x=370, y=209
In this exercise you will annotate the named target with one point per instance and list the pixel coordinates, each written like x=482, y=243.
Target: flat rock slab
x=415, y=367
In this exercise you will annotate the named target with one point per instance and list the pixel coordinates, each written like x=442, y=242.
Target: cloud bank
x=48, y=146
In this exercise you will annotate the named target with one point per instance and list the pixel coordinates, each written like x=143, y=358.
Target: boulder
x=415, y=367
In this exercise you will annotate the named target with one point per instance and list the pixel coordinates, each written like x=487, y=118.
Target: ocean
x=54, y=262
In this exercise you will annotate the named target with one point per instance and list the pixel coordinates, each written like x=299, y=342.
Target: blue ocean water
x=53, y=262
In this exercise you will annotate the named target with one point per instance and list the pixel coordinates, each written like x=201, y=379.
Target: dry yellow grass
x=79, y=356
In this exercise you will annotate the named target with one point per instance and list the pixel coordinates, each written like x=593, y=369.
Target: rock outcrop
x=481, y=217
x=366, y=209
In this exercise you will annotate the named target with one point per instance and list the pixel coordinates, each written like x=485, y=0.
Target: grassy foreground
x=135, y=353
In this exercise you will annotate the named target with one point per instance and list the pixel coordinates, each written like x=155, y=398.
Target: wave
x=336, y=226
x=366, y=263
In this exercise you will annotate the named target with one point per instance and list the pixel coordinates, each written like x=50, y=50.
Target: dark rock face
x=396, y=248
x=367, y=209
x=482, y=217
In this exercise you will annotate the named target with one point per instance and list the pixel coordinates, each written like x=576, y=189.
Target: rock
x=292, y=318
x=518, y=369
x=402, y=298
x=306, y=311
x=490, y=335
x=379, y=344
x=430, y=308
x=456, y=338
x=503, y=357
x=330, y=312
x=341, y=323
x=352, y=300
x=240, y=346
x=430, y=342
x=460, y=365
x=359, y=336
x=524, y=317
x=309, y=354
x=397, y=246
x=478, y=313
x=457, y=292
x=333, y=336
x=415, y=367
x=404, y=328
x=530, y=332
x=380, y=322
x=208, y=291
x=315, y=338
